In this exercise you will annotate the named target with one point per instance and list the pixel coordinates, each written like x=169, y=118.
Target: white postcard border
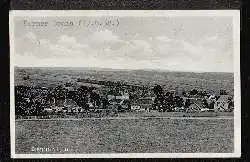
x=235, y=14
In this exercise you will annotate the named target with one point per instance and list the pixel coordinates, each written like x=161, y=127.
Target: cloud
x=65, y=46
x=99, y=40
x=128, y=50
x=136, y=49
x=163, y=38
x=207, y=54
x=103, y=36
x=30, y=36
x=106, y=49
x=44, y=42
x=26, y=43
x=70, y=42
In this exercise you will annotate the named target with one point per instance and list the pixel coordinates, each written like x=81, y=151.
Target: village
x=116, y=97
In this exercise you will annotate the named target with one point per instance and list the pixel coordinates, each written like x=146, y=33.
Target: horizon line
x=125, y=69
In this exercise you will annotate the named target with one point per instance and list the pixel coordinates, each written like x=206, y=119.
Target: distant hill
x=49, y=77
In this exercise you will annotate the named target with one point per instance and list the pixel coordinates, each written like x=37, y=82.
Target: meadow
x=125, y=135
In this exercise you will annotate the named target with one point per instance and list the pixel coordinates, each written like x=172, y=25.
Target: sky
x=198, y=44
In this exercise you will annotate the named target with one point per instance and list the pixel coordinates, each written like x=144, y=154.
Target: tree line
x=32, y=101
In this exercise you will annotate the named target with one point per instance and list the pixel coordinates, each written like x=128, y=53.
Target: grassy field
x=125, y=135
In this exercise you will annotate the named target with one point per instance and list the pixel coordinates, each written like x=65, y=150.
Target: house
x=72, y=89
x=143, y=104
x=111, y=97
x=57, y=109
x=212, y=97
x=123, y=96
x=196, y=105
x=135, y=107
x=121, y=104
x=173, y=92
x=222, y=104
x=66, y=105
x=48, y=110
x=124, y=105
x=206, y=110
x=71, y=106
x=179, y=109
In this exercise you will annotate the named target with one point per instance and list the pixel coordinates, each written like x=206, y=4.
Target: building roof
x=212, y=97
x=141, y=101
x=122, y=97
x=119, y=101
x=70, y=88
x=196, y=105
x=223, y=98
x=147, y=98
x=69, y=102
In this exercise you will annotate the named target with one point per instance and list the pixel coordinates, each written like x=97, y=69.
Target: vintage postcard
x=125, y=84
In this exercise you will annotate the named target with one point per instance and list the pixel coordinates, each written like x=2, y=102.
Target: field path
x=133, y=118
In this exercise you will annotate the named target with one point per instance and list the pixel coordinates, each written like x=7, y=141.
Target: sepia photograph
x=125, y=84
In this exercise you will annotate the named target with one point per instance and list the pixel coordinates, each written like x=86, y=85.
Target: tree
x=168, y=102
x=184, y=94
x=193, y=92
x=223, y=92
x=202, y=93
x=26, y=77
x=38, y=106
x=81, y=96
x=95, y=99
x=159, y=99
x=21, y=105
x=105, y=103
x=231, y=105
x=187, y=103
x=23, y=100
x=164, y=102
x=205, y=103
x=178, y=101
x=211, y=104
x=158, y=91
x=59, y=92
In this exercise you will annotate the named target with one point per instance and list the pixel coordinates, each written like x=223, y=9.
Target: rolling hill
x=50, y=77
